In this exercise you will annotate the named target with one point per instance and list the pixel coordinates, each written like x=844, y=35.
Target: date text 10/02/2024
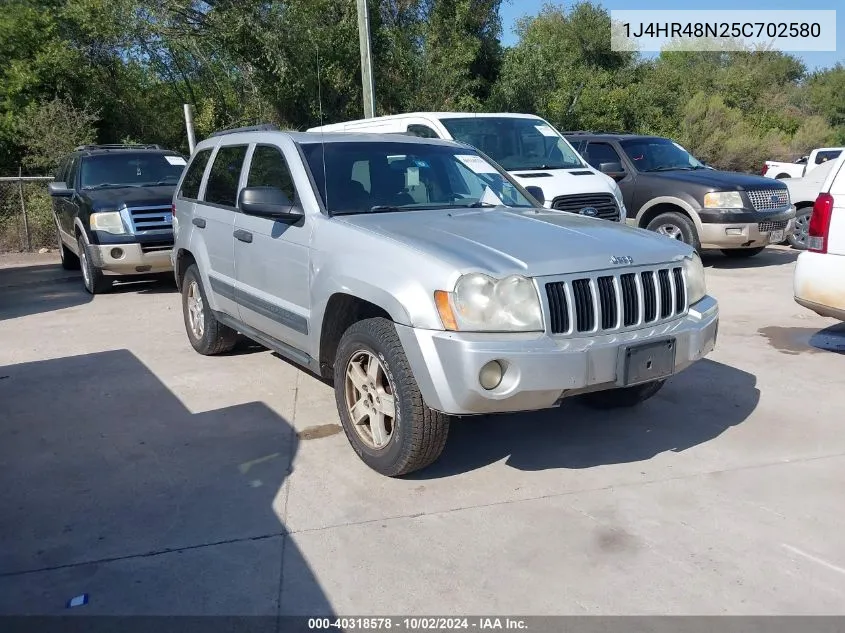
x=418, y=623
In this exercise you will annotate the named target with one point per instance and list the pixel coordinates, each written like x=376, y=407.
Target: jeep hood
x=116, y=197
x=533, y=242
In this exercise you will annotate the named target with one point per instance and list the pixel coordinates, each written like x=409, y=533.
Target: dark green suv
x=113, y=211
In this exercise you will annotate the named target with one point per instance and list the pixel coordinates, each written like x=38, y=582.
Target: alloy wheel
x=370, y=400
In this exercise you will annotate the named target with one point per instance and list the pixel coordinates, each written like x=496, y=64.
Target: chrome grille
x=603, y=203
x=616, y=302
x=767, y=199
x=772, y=225
x=151, y=218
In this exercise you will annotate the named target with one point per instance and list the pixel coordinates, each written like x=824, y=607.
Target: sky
x=512, y=10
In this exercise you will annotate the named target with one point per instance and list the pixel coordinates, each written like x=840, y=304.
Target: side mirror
x=537, y=193
x=614, y=170
x=59, y=190
x=268, y=202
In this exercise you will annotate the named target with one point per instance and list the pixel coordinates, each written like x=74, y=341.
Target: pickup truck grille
x=768, y=199
x=151, y=218
x=603, y=203
x=616, y=302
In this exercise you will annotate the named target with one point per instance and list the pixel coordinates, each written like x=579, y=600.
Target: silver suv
x=425, y=282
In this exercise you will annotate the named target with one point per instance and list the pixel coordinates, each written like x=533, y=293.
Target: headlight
x=617, y=193
x=694, y=272
x=723, y=200
x=482, y=304
x=108, y=221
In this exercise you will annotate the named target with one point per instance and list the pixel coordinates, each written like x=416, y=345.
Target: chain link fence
x=26, y=215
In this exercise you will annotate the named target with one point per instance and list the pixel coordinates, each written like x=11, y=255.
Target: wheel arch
x=666, y=204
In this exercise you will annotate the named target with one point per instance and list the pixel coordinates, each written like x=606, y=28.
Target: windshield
x=130, y=169
x=380, y=177
x=659, y=154
x=515, y=143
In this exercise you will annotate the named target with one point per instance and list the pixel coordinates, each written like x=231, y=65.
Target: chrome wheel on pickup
x=92, y=277
x=676, y=226
x=382, y=411
x=798, y=239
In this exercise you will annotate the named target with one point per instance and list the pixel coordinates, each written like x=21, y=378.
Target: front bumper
x=540, y=369
x=744, y=229
x=130, y=259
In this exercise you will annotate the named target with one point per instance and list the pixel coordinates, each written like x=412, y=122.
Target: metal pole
x=23, y=210
x=366, y=60
x=189, y=125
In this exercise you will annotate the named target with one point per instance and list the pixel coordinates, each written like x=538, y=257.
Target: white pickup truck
x=802, y=166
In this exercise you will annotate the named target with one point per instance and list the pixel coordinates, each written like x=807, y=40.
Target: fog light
x=117, y=253
x=490, y=375
x=733, y=231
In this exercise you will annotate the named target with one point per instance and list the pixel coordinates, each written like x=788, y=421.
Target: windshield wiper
x=547, y=167
x=478, y=204
x=103, y=185
x=669, y=168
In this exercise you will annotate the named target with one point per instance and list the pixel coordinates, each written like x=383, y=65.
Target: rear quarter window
x=193, y=177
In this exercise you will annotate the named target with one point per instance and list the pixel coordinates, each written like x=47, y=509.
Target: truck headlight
x=696, y=285
x=109, y=222
x=617, y=193
x=482, y=304
x=723, y=200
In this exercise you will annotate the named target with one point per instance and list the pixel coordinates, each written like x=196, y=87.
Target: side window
x=823, y=157
x=73, y=169
x=222, y=185
x=269, y=169
x=191, y=184
x=598, y=153
x=423, y=131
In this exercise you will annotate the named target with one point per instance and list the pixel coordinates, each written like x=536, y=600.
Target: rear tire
x=414, y=436
x=782, y=176
x=742, y=253
x=622, y=397
x=93, y=278
x=207, y=335
x=676, y=225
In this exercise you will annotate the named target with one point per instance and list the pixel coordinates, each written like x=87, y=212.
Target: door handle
x=198, y=222
x=243, y=236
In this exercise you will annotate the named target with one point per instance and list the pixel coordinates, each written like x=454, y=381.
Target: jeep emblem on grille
x=621, y=259
x=591, y=211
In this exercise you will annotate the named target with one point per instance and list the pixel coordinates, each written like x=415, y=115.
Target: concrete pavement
x=163, y=482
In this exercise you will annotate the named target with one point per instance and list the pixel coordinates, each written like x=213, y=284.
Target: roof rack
x=119, y=146
x=264, y=127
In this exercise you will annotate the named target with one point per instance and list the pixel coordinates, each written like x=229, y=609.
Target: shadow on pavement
x=113, y=488
x=772, y=256
x=40, y=288
x=694, y=407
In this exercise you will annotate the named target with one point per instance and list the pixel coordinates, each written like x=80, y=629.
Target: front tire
x=207, y=335
x=622, y=397
x=93, y=278
x=677, y=226
x=380, y=405
x=742, y=253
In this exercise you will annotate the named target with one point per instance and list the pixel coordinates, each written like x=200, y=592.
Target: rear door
x=272, y=257
x=214, y=221
x=67, y=208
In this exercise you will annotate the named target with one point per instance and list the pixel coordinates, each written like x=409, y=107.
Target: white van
x=528, y=147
